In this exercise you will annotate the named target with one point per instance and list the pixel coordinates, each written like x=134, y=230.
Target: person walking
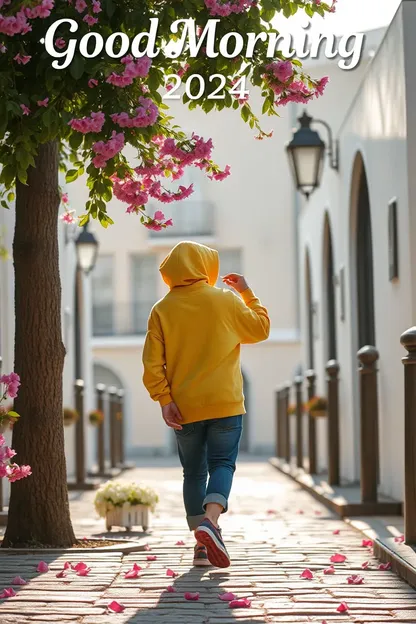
x=191, y=361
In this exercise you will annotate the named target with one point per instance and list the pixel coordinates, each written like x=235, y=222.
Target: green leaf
x=75, y=140
x=110, y=7
x=245, y=112
x=72, y=175
x=8, y=176
x=76, y=69
x=13, y=414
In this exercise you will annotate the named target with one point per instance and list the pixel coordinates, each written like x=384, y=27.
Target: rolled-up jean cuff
x=194, y=521
x=216, y=498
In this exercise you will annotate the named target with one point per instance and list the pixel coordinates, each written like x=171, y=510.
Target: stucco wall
x=374, y=126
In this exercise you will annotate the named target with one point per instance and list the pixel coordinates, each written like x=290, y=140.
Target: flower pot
x=128, y=516
x=318, y=413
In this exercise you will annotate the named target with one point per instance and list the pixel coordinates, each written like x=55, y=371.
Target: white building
x=344, y=234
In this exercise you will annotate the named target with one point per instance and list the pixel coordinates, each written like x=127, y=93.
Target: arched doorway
x=362, y=232
x=309, y=311
x=362, y=286
x=329, y=293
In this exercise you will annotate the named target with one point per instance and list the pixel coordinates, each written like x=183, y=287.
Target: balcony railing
x=121, y=319
x=190, y=218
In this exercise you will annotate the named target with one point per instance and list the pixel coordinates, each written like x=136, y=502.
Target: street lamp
x=87, y=248
x=306, y=152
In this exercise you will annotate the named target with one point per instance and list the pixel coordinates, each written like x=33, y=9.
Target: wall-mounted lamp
x=306, y=153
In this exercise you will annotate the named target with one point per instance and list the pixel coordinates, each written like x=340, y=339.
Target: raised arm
x=251, y=318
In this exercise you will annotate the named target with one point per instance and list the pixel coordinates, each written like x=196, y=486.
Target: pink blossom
x=25, y=109
x=44, y=102
x=385, y=566
x=221, y=175
x=307, y=574
x=367, y=543
x=8, y=592
x=12, y=383
x=60, y=43
x=42, y=567
x=68, y=217
x=18, y=580
x=355, y=579
x=94, y=123
x=96, y=6
x=64, y=198
x=90, y=20
x=15, y=472
x=92, y=83
x=146, y=115
x=80, y=6
x=282, y=70
x=22, y=60
x=107, y=150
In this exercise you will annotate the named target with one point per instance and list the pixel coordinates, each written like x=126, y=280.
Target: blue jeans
x=208, y=447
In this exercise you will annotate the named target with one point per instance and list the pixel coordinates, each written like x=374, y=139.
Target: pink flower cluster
x=12, y=472
x=146, y=115
x=281, y=78
x=94, y=123
x=81, y=6
x=11, y=385
x=158, y=222
x=107, y=150
x=132, y=69
x=18, y=24
x=224, y=9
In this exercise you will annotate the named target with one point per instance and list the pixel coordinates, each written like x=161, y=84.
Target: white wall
x=376, y=126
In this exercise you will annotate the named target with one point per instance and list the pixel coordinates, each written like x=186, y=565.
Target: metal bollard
x=368, y=357
x=79, y=433
x=100, y=390
x=120, y=419
x=286, y=420
x=408, y=340
x=332, y=370
x=311, y=378
x=299, y=420
x=112, y=396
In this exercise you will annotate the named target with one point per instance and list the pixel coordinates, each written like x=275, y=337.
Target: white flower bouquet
x=116, y=494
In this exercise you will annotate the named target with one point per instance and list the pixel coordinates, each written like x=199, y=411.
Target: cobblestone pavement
x=274, y=532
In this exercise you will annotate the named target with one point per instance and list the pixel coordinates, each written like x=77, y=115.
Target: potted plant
x=70, y=416
x=125, y=504
x=318, y=406
x=96, y=417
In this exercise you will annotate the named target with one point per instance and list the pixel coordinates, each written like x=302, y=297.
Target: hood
x=188, y=263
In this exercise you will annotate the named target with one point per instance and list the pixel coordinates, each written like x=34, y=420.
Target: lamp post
x=306, y=153
x=87, y=248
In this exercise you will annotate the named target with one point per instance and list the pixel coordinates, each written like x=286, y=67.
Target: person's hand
x=172, y=416
x=236, y=281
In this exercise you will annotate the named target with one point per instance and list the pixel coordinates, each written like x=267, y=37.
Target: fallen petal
x=336, y=532
x=147, y=547
x=67, y=565
x=318, y=513
x=80, y=566
x=61, y=574
x=190, y=596
x=242, y=603
x=18, y=580
x=338, y=558
x=385, y=566
x=171, y=589
x=171, y=573
x=132, y=574
x=42, y=567
x=399, y=539
x=151, y=557
x=228, y=597
x=355, y=579
x=180, y=543
x=300, y=511
x=343, y=607
x=271, y=512
x=8, y=592
x=330, y=570
x=365, y=565
x=367, y=543
x=306, y=574
x=116, y=607
x=136, y=567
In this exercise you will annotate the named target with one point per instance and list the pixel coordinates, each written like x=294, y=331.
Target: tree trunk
x=39, y=507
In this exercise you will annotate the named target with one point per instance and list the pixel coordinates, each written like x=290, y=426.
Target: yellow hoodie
x=192, y=349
